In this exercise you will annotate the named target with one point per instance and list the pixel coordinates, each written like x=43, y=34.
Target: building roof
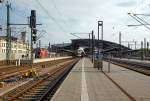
x=4, y=37
x=106, y=44
x=62, y=45
x=13, y=39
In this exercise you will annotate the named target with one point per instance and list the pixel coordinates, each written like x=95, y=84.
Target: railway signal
x=33, y=26
x=33, y=19
x=33, y=32
x=34, y=37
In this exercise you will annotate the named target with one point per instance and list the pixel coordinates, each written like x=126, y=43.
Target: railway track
x=143, y=68
x=12, y=71
x=9, y=72
x=5, y=63
x=40, y=88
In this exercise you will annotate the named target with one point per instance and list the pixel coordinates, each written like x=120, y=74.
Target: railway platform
x=134, y=60
x=50, y=59
x=136, y=84
x=85, y=83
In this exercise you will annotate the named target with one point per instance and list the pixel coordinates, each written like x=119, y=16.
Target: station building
x=19, y=48
x=87, y=44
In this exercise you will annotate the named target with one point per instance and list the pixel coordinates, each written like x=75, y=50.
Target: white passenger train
x=81, y=52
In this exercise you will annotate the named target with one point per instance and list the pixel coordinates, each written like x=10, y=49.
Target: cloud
x=127, y=3
x=82, y=16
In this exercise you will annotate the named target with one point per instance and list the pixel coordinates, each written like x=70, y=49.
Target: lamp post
x=92, y=46
x=120, y=46
x=100, y=23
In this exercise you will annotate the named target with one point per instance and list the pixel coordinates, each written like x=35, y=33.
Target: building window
x=15, y=46
x=20, y=51
x=3, y=50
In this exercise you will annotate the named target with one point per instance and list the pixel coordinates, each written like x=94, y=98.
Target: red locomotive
x=41, y=53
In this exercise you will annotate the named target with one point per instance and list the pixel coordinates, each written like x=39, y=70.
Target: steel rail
x=46, y=94
x=37, y=83
x=13, y=71
x=137, y=67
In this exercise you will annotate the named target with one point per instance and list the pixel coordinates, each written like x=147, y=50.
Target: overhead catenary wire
x=21, y=11
x=16, y=13
x=75, y=35
x=146, y=23
x=51, y=17
x=138, y=25
x=59, y=12
x=143, y=14
x=139, y=21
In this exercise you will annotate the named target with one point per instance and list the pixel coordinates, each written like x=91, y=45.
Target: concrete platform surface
x=50, y=59
x=85, y=83
x=136, y=84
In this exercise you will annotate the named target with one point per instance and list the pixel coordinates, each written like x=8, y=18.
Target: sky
x=59, y=18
